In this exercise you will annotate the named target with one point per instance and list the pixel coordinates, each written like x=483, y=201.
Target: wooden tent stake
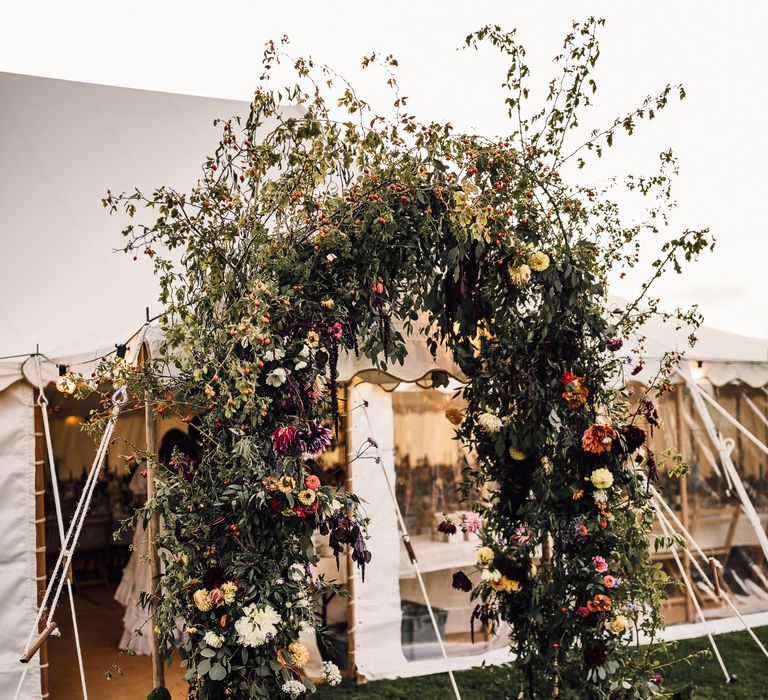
x=39, y=642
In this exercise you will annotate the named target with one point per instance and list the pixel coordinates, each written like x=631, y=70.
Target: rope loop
x=120, y=397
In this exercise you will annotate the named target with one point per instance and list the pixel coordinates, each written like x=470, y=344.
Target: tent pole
x=40, y=540
x=153, y=529
x=684, y=510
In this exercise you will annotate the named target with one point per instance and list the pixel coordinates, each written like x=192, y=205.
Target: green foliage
x=159, y=694
x=700, y=676
x=307, y=236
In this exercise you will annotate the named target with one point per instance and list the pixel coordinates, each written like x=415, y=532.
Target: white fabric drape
x=18, y=587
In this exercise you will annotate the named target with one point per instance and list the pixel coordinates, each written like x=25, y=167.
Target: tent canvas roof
x=63, y=144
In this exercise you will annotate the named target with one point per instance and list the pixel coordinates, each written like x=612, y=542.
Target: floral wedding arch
x=309, y=241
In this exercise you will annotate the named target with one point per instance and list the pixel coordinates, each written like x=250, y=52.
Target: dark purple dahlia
x=314, y=438
x=461, y=582
x=447, y=527
x=633, y=437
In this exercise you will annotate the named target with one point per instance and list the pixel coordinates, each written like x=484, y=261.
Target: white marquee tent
x=62, y=144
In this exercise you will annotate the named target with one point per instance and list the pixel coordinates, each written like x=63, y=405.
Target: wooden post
x=40, y=541
x=153, y=528
x=684, y=509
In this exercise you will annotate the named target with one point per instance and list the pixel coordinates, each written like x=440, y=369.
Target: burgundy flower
x=657, y=679
x=594, y=656
x=447, y=527
x=633, y=438
x=284, y=440
x=637, y=369
x=461, y=582
x=615, y=344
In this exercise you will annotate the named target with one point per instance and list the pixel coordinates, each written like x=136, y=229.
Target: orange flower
x=598, y=438
x=578, y=494
x=609, y=581
x=575, y=392
x=600, y=603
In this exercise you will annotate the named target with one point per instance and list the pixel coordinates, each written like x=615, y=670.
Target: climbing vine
x=308, y=236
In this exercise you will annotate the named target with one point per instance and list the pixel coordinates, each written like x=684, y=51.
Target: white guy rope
x=752, y=438
x=725, y=458
x=43, y=403
x=689, y=588
x=703, y=445
x=725, y=596
x=756, y=410
x=407, y=542
x=70, y=542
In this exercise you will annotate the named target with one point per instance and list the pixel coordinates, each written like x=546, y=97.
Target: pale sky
x=716, y=49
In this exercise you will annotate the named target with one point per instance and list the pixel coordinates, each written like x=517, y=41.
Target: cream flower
x=601, y=478
x=299, y=653
x=276, y=354
x=331, y=673
x=202, y=600
x=277, y=377
x=229, y=589
x=618, y=625
x=327, y=303
x=257, y=625
x=520, y=275
x=304, y=354
x=490, y=575
x=485, y=556
x=213, y=640
x=538, y=261
x=489, y=422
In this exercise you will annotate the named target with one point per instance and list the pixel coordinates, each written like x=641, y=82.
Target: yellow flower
x=299, y=653
x=454, y=415
x=307, y=497
x=538, y=261
x=229, y=589
x=484, y=556
x=517, y=455
x=202, y=600
x=286, y=484
x=508, y=585
x=618, y=624
x=327, y=303
x=520, y=275
x=312, y=339
x=601, y=478
x=271, y=483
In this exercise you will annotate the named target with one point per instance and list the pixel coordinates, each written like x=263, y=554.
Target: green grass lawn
x=741, y=655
